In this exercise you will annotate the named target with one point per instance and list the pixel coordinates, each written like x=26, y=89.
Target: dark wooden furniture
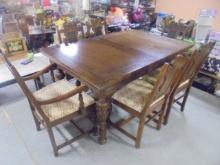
x=179, y=29
x=29, y=19
x=181, y=93
x=148, y=102
x=107, y=63
x=194, y=65
x=69, y=33
x=40, y=37
x=54, y=104
x=97, y=27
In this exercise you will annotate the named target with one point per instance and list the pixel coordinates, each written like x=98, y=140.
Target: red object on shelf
x=46, y=2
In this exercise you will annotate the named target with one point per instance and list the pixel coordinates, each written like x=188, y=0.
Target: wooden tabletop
x=105, y=61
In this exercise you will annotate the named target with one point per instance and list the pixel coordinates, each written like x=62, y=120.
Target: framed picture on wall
x=14, y=44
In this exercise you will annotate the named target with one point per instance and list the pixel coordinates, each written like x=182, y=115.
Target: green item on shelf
x=30, y=55
x=190, y=40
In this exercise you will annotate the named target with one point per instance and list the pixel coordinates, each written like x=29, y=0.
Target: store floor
x=190, y=138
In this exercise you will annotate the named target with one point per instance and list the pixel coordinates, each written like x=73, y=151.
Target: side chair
x=98, y=27
x=69, y=34
x=181, y=93
x=145, y=101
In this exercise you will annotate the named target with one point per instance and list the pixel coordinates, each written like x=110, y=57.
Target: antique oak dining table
x=107, y=63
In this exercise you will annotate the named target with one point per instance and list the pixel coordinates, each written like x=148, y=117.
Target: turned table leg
x=103, y=107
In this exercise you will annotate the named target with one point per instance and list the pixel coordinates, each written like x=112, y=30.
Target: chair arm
x=39, y=73
x=64, y=96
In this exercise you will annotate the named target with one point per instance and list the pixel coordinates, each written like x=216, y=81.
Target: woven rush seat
x=145, y=101
x=152, y=77
x=135, y=94
x=195, y=61
x=62, y=108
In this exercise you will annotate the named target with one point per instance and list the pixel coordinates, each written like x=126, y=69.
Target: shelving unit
x=210, y=71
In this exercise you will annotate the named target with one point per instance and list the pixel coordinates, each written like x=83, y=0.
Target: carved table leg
x=103, y=106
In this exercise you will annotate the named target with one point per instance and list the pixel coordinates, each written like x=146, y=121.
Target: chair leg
x=109, y=116
x=52, y=76
x=185, y=98
x=52, y=140
x=161, y=116
x=168, y=109
x=37, y=123
x=93, y=118
x=36, y=84
x=140, y=132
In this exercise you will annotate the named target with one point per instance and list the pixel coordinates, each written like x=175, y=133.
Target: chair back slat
x=196, y=60
x=168, y=79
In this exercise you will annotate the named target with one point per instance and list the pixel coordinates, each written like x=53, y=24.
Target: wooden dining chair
x=97, y=26
x=55, y=104
x=29, y=19
x=69, y=33
x=182, y=91
x=145, y=101
x=176, y=30
x=24, y=27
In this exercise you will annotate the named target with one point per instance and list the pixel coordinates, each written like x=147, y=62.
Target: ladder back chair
x=97, y=26
x=182, y=91
x=55, y=104
x=195, y=62
x=69, y=33
x=145, y=101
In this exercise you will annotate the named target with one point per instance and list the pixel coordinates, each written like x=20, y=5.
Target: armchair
x=55, y=104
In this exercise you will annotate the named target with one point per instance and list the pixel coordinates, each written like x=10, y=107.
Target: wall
x=189, y=9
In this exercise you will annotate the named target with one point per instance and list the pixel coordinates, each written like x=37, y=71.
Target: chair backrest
x=98, y=26
x=186, y=27
x=172, y=30
x=29, y=19
x=20, y=81
x=168, y=79
x=197, y=58
x=191, y=25
x=24, y=27
x=69, y=33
